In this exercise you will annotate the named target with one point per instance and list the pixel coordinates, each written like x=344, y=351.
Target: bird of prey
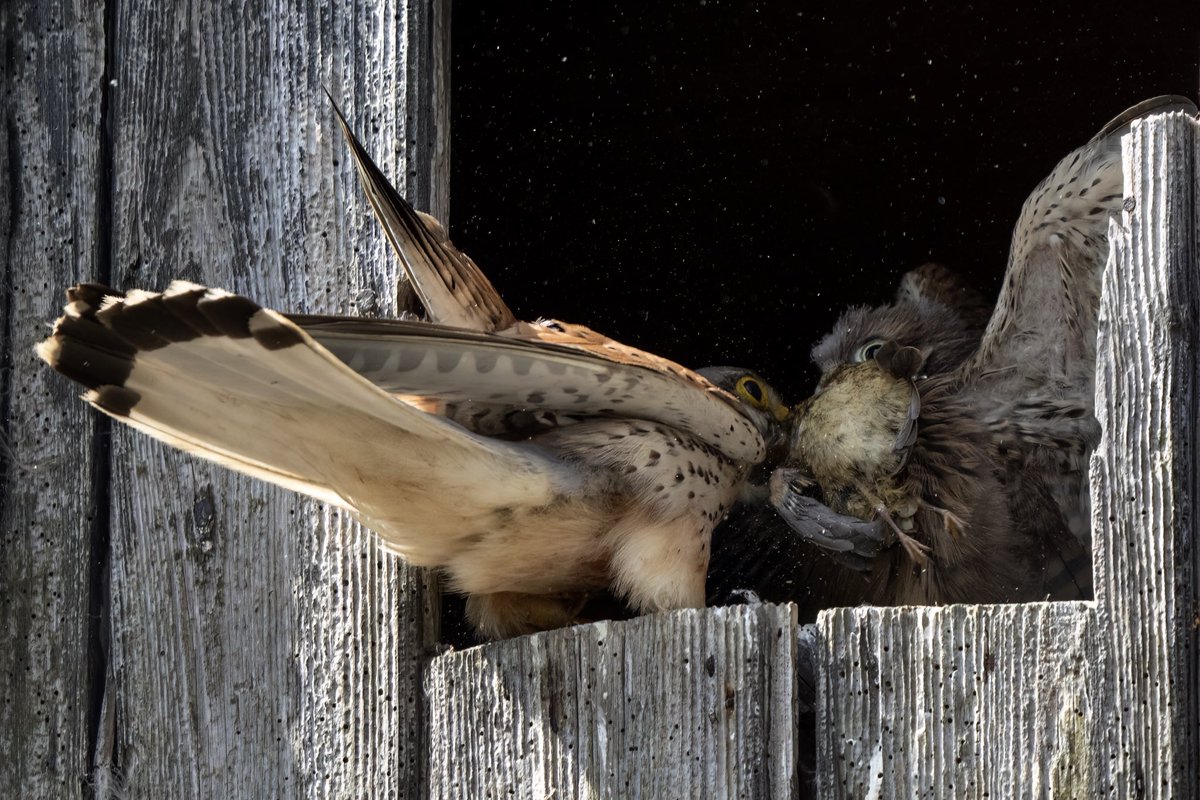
x=934, y=310
x=973, y=450
x=533, y=463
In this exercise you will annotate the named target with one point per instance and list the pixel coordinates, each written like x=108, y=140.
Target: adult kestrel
x=533, y=463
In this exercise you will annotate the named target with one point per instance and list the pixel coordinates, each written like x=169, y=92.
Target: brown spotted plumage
x=533, y=463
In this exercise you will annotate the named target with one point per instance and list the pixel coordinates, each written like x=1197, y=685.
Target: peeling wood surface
x=1145, y=478
x=255, y=644
x=680, y=705
x=50, y=156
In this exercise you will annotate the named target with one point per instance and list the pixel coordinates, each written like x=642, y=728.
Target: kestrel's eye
x=868, y=350
x=751, y=390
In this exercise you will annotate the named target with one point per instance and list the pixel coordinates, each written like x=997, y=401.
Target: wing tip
x=117, y=401
x=1163, y=104
x=49, y=350
x=275, y=331
x=96, y=341
x=82, y=349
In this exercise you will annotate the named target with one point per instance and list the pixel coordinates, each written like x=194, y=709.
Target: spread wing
x=1043, y=331
x=1031, y=375
x=215, y=375
x=554, y=373
x=1037, y=359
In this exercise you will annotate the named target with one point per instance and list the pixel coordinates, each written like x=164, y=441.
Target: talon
x=915, y=550
x=953, y=523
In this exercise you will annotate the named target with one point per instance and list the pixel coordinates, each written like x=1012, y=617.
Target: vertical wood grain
x=1145, y=480
x=958, y=702
x=260, y=644
x=680, y=705
x=1075, y=700
x=184, y=632
x=50, y=145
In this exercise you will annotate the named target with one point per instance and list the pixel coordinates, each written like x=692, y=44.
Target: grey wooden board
x=1145, y=479
x=261, y=645
x=959, y=701
x=680, y=705
x=1063, y=700
x=49, y=151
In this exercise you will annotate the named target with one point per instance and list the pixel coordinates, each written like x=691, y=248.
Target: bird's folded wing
x=1044, y=326
x=553, y=373
x=452, y=288
x=455, y=292
x=217, y=376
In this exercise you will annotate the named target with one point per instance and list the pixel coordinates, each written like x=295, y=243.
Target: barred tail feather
x=216, y=375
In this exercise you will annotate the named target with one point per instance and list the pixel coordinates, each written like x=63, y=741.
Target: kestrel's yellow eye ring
x=868, y=350
x=752, y=391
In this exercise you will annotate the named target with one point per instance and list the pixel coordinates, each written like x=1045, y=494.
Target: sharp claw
x=953, y=523
x=917, y=551
x=821, y=525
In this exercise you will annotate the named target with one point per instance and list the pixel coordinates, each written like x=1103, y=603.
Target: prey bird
x=971, y=444
x=533, y=463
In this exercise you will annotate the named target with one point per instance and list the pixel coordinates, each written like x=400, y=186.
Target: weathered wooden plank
x=428, y=112
x=679, y=705
x=53, y=67
x=1145, y=480
x=262, y=644
x=959, y=701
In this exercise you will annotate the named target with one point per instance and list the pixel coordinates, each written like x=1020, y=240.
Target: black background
x=716, y=181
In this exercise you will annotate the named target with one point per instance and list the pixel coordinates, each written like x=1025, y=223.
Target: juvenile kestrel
x=974, y=451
